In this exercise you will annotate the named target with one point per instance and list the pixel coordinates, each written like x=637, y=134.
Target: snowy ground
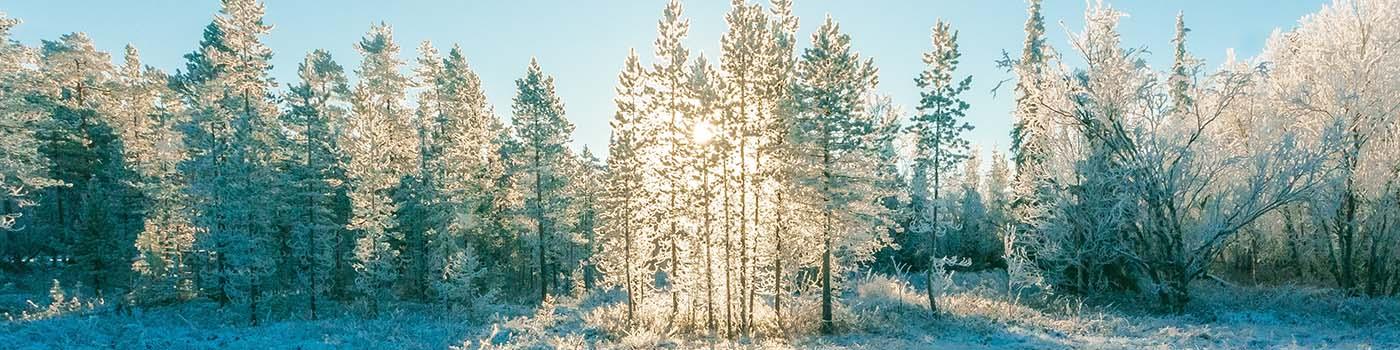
x=882, y=313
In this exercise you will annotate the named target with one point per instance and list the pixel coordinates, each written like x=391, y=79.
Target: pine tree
x=423, y=212
x=440, y=209
x=382, y=152
x=585, y=187
x=465, y=153
x=98, y=211
x=153, y=149
x=501, y=203
x=23, y=169
x=231, y=138
x=544, y=134
x=670, y=79
x=625, y=196
x=707, y=148
x=773, y=161
x=833, y=139
x=938, y=127
x=746, y=54
x=316, y=172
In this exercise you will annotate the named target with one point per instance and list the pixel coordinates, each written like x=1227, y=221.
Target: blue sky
x=583, y=43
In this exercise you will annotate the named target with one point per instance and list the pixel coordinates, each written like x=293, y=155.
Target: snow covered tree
x=1031, y=185
x=773, y=159
x=625, y=197
x=315, y=176
x=544, y=135
x=96, y=214
x=231, y=138
x=746, y=51
x=380, y=143
x=585, y=190
x=1183, y=66
x=154, y=148
x=453, y=122
x=994, y=193
x=1189, y=198
x=976, y=240
x=22, y=167
x=939, y=126
x=832, y=137
x=1339, y=69
x=669, y=103
x=706, y=149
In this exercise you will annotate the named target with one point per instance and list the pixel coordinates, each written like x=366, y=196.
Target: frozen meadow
x=883, y=313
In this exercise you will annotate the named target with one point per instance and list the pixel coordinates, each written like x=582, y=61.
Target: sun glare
x=703, y=132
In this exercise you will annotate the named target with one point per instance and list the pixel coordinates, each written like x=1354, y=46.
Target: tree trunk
x=310, y=220
x=827, y=326
x=253, y=305
x=729, y=251
x=539, y=230
x=1173, y=280
x=933, y=236
x=709, y=247
x=627, y=268
x=778, y=264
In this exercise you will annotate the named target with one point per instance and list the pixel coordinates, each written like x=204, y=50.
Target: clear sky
x=583, y=42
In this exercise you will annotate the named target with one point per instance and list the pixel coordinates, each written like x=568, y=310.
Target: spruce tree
x=1030, y=133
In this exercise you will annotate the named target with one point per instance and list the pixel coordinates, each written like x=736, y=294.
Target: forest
x=765, y=197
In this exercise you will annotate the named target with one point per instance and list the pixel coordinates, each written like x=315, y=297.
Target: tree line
x=739, y=195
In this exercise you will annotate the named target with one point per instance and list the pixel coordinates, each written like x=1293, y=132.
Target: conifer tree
x=773, y=161
x=23, y=168
x=670, y=79
x=231, y=137
x=544, y=134
x=97, y=212
x=380, y=143
x=153, y=149
x=833, y=140
x=706, y=148
x=316, y=172
x=746, y=51
x=938, y=127
x=1183, y=67
x=626, y=198
x=1030, y=133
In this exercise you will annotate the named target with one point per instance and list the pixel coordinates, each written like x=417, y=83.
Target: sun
x=703, y=132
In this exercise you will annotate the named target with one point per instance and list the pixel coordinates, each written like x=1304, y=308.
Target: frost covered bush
x=1021, y=271
x=883, y=302
x=940, y=277
x=60, y=304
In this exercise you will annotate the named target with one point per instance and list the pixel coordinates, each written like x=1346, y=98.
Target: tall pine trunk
x=827, y=323
x=539, y=230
